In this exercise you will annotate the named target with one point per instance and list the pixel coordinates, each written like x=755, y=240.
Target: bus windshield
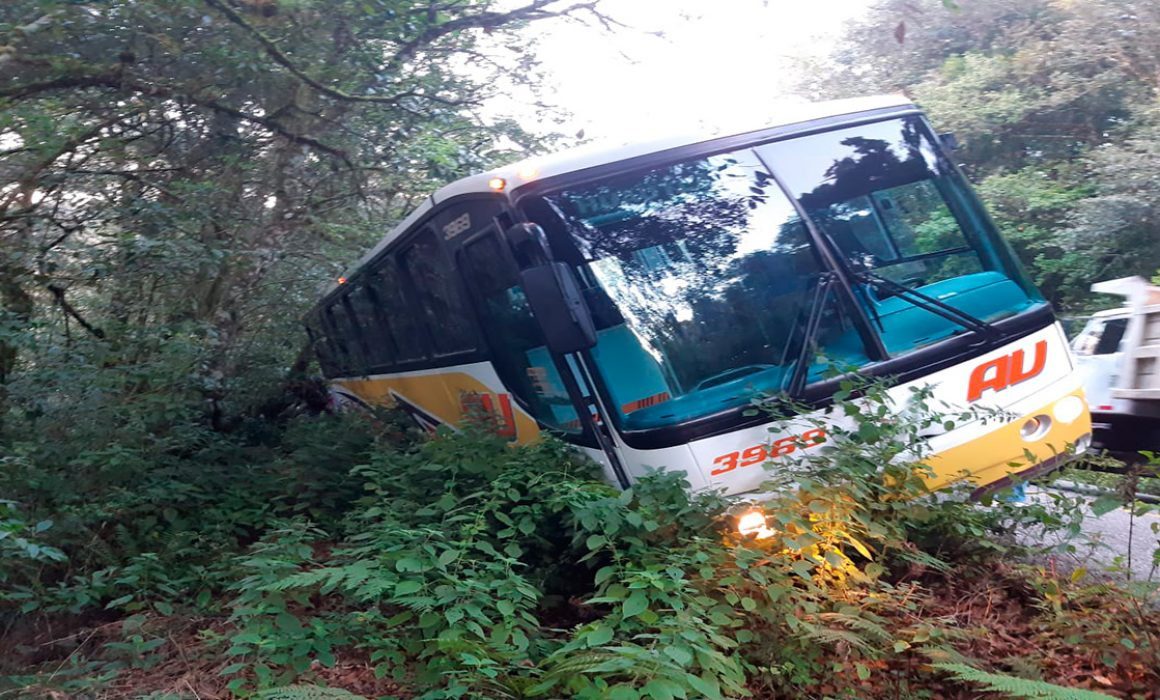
x=908, y=227
x=704, y=280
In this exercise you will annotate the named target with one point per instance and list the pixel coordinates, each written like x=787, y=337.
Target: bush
x=466, y=567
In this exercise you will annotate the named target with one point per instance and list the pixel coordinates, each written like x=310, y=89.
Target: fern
x=1015, y=687
x=869, y=628
x=307, y=692
x=830, y=636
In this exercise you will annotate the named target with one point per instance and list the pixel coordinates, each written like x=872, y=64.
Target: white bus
x=634, y=300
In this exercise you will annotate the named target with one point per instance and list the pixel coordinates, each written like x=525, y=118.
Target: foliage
x=1017, y=687
x=179, y=177
x=148, y=528
x=463, y=566
x=307, y=692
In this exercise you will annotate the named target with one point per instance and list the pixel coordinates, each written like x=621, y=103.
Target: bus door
x=554, y=389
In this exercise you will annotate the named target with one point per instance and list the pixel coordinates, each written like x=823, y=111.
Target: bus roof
x=592, y=155
x=582, y=157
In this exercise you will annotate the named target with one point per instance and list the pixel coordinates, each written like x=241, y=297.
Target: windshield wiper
x=929, y=303
x=817, y=308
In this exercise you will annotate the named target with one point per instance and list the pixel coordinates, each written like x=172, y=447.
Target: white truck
x=1118, y=353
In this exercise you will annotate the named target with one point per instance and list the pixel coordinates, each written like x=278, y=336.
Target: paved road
x=1104, y=542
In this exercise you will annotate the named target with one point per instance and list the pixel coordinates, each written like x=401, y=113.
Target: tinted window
x=1112, y=336
x=1101, y=336
x=369, y=315
x=438, y=296
x=399, y=313
x=344, y=336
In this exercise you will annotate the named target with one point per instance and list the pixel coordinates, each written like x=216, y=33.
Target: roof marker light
x=497, y=183
x=342, y=280
x=529, y=172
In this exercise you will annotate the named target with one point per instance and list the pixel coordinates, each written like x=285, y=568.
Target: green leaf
x=635, y=605
x=604, y=574
x=118, y=602
x=623, y=691
x=600, y=636
x=662, y=689
x=408, y=564
x=708, y=688
x=803, y=568
x=1013, y=686
x=1106, y=504
x=408, y=587
x=682, y=655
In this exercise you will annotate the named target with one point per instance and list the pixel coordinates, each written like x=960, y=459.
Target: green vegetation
x=462, y=566
x=181, y=517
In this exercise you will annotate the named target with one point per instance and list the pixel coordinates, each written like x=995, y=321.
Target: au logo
x=1009, y=370
x=494, y=411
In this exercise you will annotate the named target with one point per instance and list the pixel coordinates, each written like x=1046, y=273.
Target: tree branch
x=281, y=59
x=117, y=81
x=58, y=293
x=484, y=20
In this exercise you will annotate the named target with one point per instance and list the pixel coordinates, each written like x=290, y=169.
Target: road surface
x=1103, y=545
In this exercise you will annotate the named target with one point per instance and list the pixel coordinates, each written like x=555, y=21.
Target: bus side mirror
x=552, y=291
x=949, y=141
x=559, y=307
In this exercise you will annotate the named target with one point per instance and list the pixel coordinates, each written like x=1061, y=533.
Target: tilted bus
x=634, y=300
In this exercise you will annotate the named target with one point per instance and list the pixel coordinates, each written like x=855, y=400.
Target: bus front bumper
x=1032, y=444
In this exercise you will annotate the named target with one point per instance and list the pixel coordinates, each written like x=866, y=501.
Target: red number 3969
x=761, y=453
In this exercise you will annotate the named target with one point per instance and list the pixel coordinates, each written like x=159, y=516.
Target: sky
x=719, y=62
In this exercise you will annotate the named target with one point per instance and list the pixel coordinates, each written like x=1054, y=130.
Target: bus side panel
x=445, y=397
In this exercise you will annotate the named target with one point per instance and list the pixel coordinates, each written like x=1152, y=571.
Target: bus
x=633, y=300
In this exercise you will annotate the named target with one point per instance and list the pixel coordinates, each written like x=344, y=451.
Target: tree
x=177, y=176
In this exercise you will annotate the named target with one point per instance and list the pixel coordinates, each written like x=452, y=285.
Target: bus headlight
x=1035, y=428
x=1068, y=409
x=753, y=523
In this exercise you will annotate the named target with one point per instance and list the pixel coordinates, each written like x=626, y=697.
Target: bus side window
x=346, y=338
x=370, y=317
x=435, y=286
x=398, y=311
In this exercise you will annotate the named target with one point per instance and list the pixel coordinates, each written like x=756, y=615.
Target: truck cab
x=1118, y=356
